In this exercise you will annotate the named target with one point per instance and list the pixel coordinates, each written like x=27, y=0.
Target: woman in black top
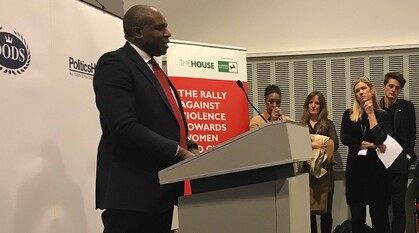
x=363, y=130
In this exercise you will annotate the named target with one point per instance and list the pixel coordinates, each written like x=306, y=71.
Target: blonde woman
x=363, y=129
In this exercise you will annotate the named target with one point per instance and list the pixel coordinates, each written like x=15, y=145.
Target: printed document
x=393, y=150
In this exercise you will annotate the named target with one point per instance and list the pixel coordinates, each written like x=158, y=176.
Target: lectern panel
x=271, y=145
x=281, y=206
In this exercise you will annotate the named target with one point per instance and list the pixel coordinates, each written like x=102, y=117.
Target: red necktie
x=164, y=83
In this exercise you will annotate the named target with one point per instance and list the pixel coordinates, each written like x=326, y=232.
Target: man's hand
x=194, y=150
x=183, y=154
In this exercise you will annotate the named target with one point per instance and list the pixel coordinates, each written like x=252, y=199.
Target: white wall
x=293, y=25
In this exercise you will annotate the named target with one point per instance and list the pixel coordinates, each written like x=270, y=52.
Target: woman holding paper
x=315, y=116
x=363, y=130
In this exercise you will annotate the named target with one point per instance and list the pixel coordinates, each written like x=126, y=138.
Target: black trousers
x=326, y=222
x=398, y=182
x=126, y=221
x=379, y=218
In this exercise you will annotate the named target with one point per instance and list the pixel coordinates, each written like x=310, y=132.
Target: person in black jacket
x=144, y=129
x=401, y=115
x=363, y=130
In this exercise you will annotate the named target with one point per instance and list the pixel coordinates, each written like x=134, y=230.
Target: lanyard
x=363, y=129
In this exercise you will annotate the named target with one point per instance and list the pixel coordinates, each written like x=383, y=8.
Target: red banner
x=214, y=109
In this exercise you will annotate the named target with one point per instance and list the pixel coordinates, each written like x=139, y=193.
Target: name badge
x=362, y=152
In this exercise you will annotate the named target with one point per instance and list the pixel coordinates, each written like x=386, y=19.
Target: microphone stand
x=240, y=84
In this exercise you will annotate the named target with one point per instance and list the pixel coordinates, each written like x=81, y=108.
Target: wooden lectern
x=247, y=184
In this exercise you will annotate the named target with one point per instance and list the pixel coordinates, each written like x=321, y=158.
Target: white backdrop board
x=49, y=123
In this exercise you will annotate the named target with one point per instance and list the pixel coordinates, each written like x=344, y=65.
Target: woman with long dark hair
x=315, y=116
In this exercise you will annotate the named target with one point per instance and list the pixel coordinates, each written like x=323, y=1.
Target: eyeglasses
x=363, y=79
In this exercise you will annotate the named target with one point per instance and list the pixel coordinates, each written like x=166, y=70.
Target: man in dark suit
x=401, y=114
x=144, y=129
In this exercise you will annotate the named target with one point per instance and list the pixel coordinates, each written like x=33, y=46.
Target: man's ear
x=138, y=32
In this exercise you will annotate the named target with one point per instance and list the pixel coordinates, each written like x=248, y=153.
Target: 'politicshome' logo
x=15, y=55
x=81, y=69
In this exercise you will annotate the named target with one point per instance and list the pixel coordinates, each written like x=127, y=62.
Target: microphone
x=240, y=84
x=101, y=5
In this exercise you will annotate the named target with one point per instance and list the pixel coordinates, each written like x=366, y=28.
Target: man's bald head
x=136, y=16
x=146, y=28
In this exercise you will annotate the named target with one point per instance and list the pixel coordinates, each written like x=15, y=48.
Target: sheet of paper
x=393, y=150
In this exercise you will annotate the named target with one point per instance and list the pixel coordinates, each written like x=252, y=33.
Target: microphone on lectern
x=240, y=84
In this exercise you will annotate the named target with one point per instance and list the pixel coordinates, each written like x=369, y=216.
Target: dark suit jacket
x=365, y=176
x=140, y=135
x=404, y=133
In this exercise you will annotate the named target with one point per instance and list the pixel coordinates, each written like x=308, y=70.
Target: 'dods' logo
x=15, y=56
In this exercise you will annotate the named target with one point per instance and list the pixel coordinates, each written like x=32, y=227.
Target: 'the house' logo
x=15, y=55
